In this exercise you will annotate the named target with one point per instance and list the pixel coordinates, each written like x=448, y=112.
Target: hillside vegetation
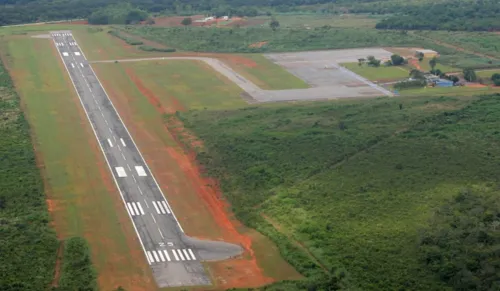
x=298, y=39
x=355, y=183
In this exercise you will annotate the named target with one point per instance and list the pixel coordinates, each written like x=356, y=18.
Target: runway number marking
x=140, y=171
x=121, y=172
x=110, y=143
x=65, y=54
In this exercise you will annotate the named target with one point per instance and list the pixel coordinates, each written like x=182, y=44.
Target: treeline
x=452, y=15
x=462, y=241
x=118, y=14
x=28, y=245
x=22, y=11
x=77, y=272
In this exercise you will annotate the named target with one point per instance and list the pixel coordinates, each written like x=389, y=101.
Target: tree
x=397, y=60
x=420, y=56
x=274, y=24
x=470, y=75
x=361, y=61
x=373, y=62
x=433, y=63
x=496, y=79
x=187, y=21
x=417, y=74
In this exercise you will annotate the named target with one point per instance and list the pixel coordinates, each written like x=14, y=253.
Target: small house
x=443, y=83
x=426, y=53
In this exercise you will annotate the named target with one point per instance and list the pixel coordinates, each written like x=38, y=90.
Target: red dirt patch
x=415, y=63
x=82, y=22
x=475, y=85
x=240, y=61
x=258, y=44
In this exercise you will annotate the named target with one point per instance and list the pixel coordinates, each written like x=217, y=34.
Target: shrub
x=155, y=49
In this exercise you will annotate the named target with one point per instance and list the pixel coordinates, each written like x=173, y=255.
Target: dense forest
x=372, y=188
x=452, y=15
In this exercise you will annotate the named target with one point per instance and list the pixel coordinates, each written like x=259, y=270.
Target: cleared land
x=83, y=201
x=368, y=198
x=143, y=95
x=312, y=20
x=378, y=74
x=424, y=66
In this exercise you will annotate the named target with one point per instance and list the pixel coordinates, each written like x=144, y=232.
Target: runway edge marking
x=131, y=138
x=102, y=150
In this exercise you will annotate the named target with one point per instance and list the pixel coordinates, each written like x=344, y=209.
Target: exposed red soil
x=258, y=44
x=240, y=61
x=475, y=85
x=196, y=199
x=415, y=63
x=57, y=271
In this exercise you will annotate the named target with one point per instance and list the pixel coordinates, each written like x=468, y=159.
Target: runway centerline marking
x=121, y=172
x=120, y=150
x=105, y=121
x=123, y=156
x=160, y=233
x=110, y=130
x=133, y=177
x=140, y=191
x=152, y=216
x=147, y=205
x=128, y=166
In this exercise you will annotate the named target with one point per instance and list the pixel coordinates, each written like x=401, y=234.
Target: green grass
x=318, y=20
x=28, y=247
x=486, y=74
x=450, y=91
x=264, y=73
x=180, y=83
x=424, y=66
x=353, y=181
x=80, y=190
x=381, y=73
x=479, y=42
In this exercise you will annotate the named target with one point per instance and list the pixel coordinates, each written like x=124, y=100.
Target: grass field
x=487, y=43
x=263, y=72
x=81, y=195
x=378, y=74
x=453, y=91
x=143, y=93
x=424, y=66
x=359, y=207
x=486, y=74
x=318, y=20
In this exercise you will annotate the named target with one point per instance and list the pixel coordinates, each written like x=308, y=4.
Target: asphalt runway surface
x=175, y=259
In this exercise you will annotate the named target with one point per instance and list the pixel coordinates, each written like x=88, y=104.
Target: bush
x=77, y=272
x=128, y=40
x=118, y=14
x=155, y=49
x=410, y=84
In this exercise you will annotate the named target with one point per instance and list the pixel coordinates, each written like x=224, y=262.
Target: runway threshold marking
x=175, y=255
x=110, y=143
x=166, y=255
x=150, y=257
x=180, y=254
x=140, y=208
x=166, y=207
x=192, y=254
x=186, y=254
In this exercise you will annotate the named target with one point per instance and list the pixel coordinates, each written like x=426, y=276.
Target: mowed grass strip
x=83, y=199
x=185, y=84
x=264, y=73
x=378, y=74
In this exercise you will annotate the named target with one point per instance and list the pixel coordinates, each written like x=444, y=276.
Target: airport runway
x=174, y=258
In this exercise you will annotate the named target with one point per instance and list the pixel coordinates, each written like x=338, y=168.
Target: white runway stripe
x=186, y=254
x=140, y=171
x=77, y=53
x=65, y=54
x=110, y=143
x=81, y=65
x=156, y=207
x=135, y=208
x=166, y=206
x=161, y=256
x=140, y=208
x=192, y=254
x=175, y=255
x=180, y=255
x=156, y=256
x=130, y=208
x=161, y=208
x=123, y=142
x=72, y=65
x=121, y=172
x=150, y=257
x=166, y=255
